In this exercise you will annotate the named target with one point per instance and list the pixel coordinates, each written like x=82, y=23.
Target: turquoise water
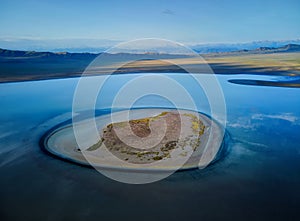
x=258, y=179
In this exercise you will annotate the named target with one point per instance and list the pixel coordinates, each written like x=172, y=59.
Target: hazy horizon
x=100, y=45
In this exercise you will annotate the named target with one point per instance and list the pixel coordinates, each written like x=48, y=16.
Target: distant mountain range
x=5, y=53
x=101, y=45
x=256, y=45
x=285, y=48
x=57, y=45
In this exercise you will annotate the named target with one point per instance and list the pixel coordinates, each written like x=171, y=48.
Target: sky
x=196, y=22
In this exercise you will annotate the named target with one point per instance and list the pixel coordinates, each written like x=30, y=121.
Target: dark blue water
x=259, y=178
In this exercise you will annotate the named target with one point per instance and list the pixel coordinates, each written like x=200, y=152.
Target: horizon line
x=189, y=43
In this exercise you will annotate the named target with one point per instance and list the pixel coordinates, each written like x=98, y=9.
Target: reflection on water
x=260, y=175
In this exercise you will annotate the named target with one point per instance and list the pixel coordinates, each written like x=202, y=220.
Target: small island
x=140, y=128
x=158, y=139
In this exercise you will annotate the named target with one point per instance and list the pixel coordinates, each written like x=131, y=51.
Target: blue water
x=258, y=179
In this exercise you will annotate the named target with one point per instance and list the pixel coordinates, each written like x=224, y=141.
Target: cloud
x=240, y=125
x=168, y=12
x=284, y=116
x=254, y=121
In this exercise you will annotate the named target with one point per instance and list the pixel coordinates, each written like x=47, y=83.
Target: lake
x=257, y=179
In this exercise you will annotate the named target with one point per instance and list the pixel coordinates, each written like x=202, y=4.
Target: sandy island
x=157, y=139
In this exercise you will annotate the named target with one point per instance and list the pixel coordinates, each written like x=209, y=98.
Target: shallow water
x=258, y=179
